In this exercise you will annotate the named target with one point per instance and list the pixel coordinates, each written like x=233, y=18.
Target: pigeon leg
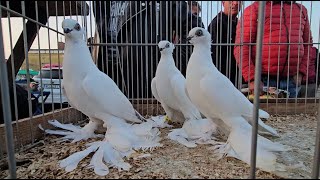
x=169, y=113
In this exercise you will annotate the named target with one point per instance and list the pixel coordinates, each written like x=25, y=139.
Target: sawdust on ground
x=174, y=160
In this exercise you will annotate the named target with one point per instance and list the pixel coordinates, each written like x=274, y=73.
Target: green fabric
x=31, y=72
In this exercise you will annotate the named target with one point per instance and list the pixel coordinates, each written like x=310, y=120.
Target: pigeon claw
x=167, y=119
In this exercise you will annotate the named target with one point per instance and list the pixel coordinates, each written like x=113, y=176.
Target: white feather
x=96, y=95
x=218, y=99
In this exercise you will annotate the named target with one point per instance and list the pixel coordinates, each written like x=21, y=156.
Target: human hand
x=251, y=87
x=297, y=79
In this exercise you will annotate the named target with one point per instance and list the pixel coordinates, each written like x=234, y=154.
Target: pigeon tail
x=238, y=146
x=140, y=116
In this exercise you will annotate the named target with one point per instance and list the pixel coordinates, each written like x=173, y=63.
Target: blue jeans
x=292, y=87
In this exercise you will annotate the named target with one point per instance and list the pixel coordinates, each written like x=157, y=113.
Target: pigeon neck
x=167, y=57
x=202, y=46
x=166, y=54
x=73, y=42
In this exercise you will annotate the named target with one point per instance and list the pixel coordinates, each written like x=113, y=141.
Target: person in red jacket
x=287, y=39
x=309, y=84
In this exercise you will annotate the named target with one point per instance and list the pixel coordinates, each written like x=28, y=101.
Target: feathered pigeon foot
x=120, y=142
x=222, y=149
x=159, y=122
x=194, y=132
x=74, y=133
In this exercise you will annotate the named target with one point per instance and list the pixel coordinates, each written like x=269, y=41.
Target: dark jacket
x=132, y=67
x=223, y=31
x=183, y=53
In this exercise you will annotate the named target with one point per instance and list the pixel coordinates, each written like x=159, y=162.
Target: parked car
x=50, y=79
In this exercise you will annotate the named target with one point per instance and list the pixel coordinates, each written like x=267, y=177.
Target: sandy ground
x=174, y=160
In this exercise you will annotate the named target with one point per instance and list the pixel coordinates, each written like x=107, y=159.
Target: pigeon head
x=72, y=29
x=166, y=46
x=199, y=35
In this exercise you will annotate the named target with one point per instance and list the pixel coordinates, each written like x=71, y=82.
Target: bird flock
x=205, y=102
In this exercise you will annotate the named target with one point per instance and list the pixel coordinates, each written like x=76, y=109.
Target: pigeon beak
x=189, y=38
x=161, y=49
x=66, y=30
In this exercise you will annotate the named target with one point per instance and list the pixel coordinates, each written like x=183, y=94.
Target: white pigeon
x=168, y=87
x=218, y=99
x=96, y=95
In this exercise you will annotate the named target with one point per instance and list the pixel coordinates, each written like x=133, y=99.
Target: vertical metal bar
x=90, y=14
x=241, y=49
x=180, y=35
x=83, y=10
x=147, y=56
x=113, y=75
x=177, y=49
x=157, y=11
x=227, y=47
x=39, y=53
x=13, y=76
x=64, y=10
x=269, y=48
x=250, y=40
x=6, y=109
x=84, y=14
x=288, y=57
x=316, y=157
x=187, y=48
x=151, y=49
x=220, y=47
x=96, y=35
x=308, y=59
x=50, y=59
x=137, y=52
x=131, y=56
x=141, y=55
x=70, y=10
x=167, y=20
x=77, y=13
x=300, y=24
x=59, y=63
x=236, y=83
x=298, y=66
x=85, y=19
x=317, y=68
x=278, y=70
x=120, y=56
x=103, y=48
x=257, y=77
x=217, y=30
x=126, y=79
x=27, y=66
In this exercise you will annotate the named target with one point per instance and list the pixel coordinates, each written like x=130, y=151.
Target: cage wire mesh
x=123, y=37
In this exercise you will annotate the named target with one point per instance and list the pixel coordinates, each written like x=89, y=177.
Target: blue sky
x=209, y=11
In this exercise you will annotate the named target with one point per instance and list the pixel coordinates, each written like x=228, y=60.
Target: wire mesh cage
x=277, y=47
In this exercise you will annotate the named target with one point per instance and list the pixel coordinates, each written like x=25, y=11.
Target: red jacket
x=275, y=57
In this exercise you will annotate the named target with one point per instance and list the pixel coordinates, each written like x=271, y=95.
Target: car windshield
x=55, y=74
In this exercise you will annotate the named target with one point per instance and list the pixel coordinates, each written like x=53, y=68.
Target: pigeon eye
x=167, y=45
x=77, y=27
x=199, y=33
